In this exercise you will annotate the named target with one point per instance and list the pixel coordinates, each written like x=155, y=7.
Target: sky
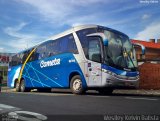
x=24, y=23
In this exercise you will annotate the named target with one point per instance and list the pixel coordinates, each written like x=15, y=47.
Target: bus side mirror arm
x=142, y=47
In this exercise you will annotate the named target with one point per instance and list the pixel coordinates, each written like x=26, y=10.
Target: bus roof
x=80, y=27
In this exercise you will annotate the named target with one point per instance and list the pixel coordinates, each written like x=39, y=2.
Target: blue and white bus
x=82, y=58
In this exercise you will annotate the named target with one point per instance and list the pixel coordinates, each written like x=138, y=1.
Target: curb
x=140, y=92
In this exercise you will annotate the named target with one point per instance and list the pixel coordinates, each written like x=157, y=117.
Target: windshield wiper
x=125, y=50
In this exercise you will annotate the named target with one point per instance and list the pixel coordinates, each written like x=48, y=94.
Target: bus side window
x=40, y=52
x=32, y=57
x=67, y=45
x=51, y=48
x=25, y=55
x=72, y=45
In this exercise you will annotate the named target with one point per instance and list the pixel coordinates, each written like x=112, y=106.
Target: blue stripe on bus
x=49, y=76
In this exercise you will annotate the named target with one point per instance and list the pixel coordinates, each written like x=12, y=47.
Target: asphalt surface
x=66, y=106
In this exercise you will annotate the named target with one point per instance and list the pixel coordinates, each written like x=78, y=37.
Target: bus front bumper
x=118, y=82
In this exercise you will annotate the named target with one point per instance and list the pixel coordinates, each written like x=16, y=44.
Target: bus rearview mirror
x=141, y=46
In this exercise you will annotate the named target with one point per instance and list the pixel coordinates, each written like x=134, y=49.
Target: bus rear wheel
x=17, y=86
x=76, y=85
x=23, y=87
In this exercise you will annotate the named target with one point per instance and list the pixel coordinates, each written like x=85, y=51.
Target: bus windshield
x=119, y=52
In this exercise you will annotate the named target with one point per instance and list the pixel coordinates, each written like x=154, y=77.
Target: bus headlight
x=110, y=73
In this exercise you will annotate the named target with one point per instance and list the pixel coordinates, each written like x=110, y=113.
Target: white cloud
x=62, y=12
x=151, y=31
x=21, y=40
x=13, y=31
x=73, y=12
x=58, y=12
x=146, y=16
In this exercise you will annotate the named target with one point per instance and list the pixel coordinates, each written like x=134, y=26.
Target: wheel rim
x=77, y=84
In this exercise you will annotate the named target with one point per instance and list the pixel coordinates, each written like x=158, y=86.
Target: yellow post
x=20, y=75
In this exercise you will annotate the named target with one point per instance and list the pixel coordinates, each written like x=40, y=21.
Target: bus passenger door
x=94, y=61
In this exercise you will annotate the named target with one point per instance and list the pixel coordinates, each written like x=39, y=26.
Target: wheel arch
x=74, y=73
x=15, y=81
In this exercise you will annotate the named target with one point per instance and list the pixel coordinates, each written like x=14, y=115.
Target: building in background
x=152, y=51
x=149, y=64
x=4, y=62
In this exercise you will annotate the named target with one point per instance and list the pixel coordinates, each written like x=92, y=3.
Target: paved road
x=60, y=106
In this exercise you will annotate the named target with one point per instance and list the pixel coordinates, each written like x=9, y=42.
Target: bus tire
x=23, y=87
x=17, y=86
x=105, y=91
x=76, y=85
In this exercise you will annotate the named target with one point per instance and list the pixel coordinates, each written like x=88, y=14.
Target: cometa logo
x=54, y=62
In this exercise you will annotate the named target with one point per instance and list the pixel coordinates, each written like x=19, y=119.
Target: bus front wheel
x=76, y=85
